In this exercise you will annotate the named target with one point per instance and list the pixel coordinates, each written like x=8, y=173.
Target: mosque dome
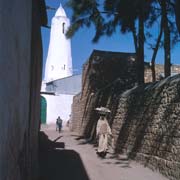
x=60, y=12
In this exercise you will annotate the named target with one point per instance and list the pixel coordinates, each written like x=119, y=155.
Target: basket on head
x=103, y=110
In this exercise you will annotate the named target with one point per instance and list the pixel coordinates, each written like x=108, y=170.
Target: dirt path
x=63, y=157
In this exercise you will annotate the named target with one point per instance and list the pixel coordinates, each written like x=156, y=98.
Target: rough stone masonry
x=145, y=120
x=147, y=125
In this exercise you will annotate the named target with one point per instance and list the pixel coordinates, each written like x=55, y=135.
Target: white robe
x=103, y=130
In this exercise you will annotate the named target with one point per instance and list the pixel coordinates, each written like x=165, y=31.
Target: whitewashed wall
x=58, y=105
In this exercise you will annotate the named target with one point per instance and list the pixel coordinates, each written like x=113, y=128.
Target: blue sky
x=82, y=46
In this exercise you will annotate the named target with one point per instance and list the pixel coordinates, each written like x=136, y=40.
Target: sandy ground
x=63, y=157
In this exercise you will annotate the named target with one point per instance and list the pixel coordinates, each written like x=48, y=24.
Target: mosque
x=59, y=85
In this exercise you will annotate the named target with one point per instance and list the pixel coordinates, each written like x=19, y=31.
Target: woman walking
x=103, y=131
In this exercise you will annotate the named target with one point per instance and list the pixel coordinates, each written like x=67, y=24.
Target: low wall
x=159, y=69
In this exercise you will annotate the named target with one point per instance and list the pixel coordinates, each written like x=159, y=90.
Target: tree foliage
x=177, y=13
x=137, y=17
x=85, y=13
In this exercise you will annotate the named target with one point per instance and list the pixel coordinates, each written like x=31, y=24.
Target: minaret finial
x=60, y=11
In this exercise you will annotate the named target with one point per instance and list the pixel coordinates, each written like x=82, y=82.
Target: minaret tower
x=59, y=60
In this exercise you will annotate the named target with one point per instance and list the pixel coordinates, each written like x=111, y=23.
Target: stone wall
x=20, y=69
x=145, y=120
x=147, y=125
x=76, y=116
x=99, y=73
x=159, y=69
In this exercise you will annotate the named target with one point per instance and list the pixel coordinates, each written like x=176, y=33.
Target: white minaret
x=59, y=60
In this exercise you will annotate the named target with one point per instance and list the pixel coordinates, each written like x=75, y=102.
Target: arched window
x=63, y=27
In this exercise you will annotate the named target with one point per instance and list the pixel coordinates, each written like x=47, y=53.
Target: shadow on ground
x=57, y=163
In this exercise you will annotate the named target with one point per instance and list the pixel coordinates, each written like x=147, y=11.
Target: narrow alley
x=66, y=157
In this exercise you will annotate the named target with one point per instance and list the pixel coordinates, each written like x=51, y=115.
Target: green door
x=43, y=110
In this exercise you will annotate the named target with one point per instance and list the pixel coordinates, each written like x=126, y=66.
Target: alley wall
x=20, y=77
x=97, y=84
x=145, y=120
x=146, y=126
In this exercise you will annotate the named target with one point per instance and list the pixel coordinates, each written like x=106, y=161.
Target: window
x=63, y=27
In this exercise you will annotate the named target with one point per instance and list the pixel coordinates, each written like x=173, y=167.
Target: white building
x=59, y=60
x=59, y=85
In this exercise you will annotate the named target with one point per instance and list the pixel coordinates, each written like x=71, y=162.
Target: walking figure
x=59, y=124
x=103, y=130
